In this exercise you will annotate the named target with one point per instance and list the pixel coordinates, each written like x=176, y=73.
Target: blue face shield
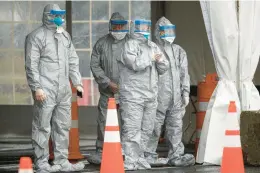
x=119, y=26
x=143, y=27
x=58, y=16
x=167, y=31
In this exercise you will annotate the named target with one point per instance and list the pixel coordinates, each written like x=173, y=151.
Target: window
x=89, y=23
x=17, y=19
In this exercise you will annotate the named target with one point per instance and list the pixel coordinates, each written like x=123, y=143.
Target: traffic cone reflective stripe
x=232, y=160
x=25, y=165
x=112, y=159
x=232, y=138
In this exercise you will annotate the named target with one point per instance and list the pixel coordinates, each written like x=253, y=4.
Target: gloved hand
x=40, y=95
x=113, y=87
x=185, y=101
x=80, y=89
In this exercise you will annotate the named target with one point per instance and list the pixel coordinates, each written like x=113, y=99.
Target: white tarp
x=249, y=51
x=220, y=19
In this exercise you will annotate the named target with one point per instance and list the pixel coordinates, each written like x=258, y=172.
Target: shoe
x=95, y=158
x=69, y=167
x=130, y=166
x=143, y=164
x=43, y=168
x=55, y=168
x=181, y=161
x=157, y=161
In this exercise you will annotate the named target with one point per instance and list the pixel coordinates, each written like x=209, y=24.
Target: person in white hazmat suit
x=173, y=97
x=105, y=71
x=50, y=61
x=140, y=64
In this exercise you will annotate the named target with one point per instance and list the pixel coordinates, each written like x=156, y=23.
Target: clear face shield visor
x=167, y=31
x=119, y=26
x=142, y=26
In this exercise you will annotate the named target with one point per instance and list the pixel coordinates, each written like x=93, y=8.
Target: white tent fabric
x=222, y=29
x=249, y=51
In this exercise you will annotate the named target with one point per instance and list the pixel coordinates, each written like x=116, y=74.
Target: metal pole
x=69, y=17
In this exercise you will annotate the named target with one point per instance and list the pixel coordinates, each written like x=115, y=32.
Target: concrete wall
x=16, y=123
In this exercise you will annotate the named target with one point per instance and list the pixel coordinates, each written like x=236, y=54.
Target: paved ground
x=12, y=168
x=10, y=154
x=10, y=164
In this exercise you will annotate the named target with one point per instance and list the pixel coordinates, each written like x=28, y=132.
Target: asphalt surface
x=11, y=164
x=10, y=155
x=95, y=169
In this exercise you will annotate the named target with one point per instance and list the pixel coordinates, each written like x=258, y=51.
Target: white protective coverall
x=173, y=97
x=50, y=61
x=105, y=71
x=138, y=88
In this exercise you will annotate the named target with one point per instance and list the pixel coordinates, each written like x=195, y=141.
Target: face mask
x=118, y=35
x=58, y=21
x=146, y=36
x=169, y=39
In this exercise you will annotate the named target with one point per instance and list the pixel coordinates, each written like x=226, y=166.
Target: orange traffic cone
x=25, y=165
x=112, y=159
x=74, y=149
x=232, y=159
